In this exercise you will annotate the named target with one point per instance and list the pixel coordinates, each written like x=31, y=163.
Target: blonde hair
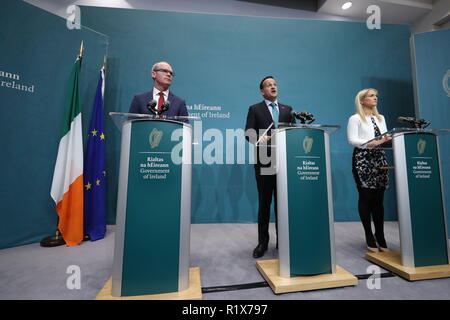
x=359, y=107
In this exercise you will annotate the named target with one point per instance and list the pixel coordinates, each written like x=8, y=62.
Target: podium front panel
x=423, y=233
x=305, y=207
x=153, y=210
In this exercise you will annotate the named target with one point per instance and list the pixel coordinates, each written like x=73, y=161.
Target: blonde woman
x=371, y=180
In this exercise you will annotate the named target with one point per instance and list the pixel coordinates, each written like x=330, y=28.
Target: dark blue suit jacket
x=177, y=105
x=259, y=119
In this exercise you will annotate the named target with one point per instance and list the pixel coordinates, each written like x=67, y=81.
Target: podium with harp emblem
x=305, y=212
x=152, y=237
x=424, y=252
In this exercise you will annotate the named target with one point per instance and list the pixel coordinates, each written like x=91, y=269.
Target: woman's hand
x=376, y=143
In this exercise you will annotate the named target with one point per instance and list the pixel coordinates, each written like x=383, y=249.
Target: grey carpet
x=224, y=254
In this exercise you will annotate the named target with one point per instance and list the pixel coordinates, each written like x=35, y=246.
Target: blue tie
x=274, y=113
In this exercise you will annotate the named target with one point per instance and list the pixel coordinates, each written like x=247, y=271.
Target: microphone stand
x=421, y=124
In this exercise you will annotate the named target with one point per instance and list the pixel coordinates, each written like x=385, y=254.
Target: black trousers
x=370, y=205
x=267, y=188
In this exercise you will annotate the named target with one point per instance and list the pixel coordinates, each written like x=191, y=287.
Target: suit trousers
x=267, y=188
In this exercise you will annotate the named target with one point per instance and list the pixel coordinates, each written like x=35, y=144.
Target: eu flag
x=95, y=170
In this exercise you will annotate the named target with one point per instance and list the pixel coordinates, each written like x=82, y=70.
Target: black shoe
x=259, y=251
x=370, y=241
x=381, y=241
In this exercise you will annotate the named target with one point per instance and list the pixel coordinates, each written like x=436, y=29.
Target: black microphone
x=151, y=106
x=423, y=123
x=417, y=123
x=165, y=106
x=406, y=119
x=303, y=115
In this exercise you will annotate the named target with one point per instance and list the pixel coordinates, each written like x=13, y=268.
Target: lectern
x=420, y=206
x=305, y=211
x=152, y=237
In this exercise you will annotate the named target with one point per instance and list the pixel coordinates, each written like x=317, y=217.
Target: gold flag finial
x=104, y=62
x=81, y=49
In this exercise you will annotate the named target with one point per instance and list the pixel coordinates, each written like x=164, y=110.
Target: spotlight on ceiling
x=346, y=5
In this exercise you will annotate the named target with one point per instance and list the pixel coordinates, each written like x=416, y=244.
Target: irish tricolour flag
x=67, y=185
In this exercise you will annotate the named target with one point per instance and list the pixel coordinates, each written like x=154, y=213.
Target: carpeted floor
x=224, y=254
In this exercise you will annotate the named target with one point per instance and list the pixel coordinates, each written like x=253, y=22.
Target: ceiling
x=392, y=11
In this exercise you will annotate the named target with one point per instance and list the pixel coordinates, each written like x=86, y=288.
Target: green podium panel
x=153, y=209
x=305, y=206
x=421, y=210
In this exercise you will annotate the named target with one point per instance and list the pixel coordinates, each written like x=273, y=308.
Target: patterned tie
x=161, y=100
x=274, y=113
x=375, y=127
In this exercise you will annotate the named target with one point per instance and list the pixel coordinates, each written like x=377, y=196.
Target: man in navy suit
x=260, y=117
x=162, y=75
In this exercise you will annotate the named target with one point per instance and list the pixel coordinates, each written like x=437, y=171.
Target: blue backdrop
x=37, y=54
x=432, y=68
x=220, y=60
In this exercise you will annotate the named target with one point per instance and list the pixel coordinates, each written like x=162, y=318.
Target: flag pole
x=86, y=237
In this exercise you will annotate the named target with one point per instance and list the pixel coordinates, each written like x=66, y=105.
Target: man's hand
x=264, y=139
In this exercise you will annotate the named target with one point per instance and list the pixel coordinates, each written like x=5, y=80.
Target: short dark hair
x=262, y=81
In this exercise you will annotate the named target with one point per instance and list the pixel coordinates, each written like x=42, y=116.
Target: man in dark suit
x=162, y=75
x=260, y=117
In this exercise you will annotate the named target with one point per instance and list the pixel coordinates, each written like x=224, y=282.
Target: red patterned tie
x=160, y=101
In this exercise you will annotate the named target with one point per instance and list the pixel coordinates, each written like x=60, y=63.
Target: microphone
x=406, y=119
x=165, y=106
x=151, y=106
x=303, y=116
x=417, y=123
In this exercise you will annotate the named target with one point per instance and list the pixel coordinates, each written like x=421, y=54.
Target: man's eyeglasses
x=166, y=71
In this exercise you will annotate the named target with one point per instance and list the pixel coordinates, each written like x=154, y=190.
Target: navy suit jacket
x=259, y=119
x=177, y=105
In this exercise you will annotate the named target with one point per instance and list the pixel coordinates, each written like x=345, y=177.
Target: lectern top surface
x=402, y=131
x=120, y=118
x=330, y=129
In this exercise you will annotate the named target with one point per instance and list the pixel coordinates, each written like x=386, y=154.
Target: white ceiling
x=409, y=12
x=392, y=11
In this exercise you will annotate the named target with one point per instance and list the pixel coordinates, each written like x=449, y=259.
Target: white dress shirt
x=359, y=132
x=156, y=94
